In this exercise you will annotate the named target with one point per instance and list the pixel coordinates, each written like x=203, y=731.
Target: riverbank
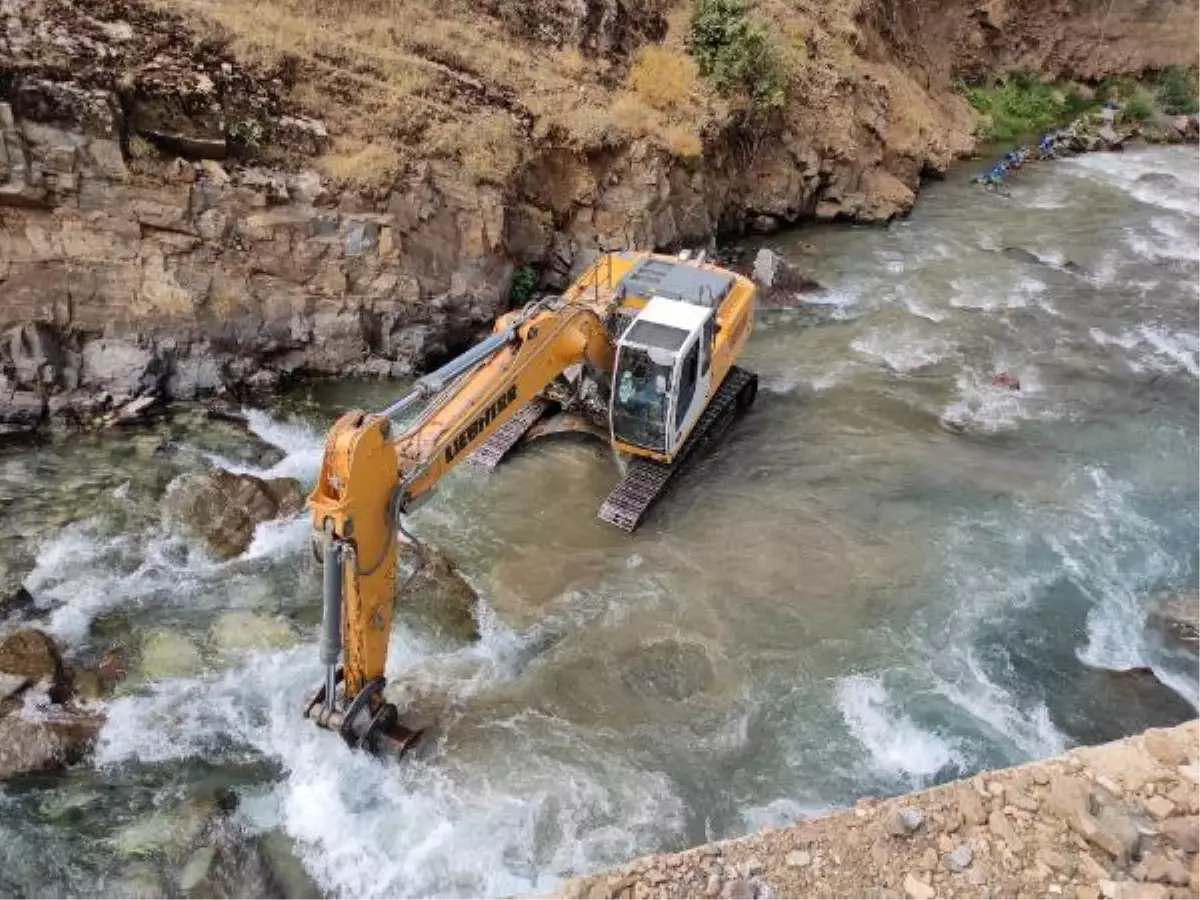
x=1116, y=821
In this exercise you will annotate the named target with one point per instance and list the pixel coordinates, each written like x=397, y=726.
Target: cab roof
x=686, y=316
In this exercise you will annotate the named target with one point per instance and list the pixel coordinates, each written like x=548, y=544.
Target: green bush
x=244, y=134
x=735, y=52
x=1177, y=91
x=1020, y=104
x=524, y=283
x=1138, y=108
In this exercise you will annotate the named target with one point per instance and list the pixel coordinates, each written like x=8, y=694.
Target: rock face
x=40, y=729
x=127, y=272
x=601, y=26
x=148, y=249
x=1119, y=820
x=223, y=509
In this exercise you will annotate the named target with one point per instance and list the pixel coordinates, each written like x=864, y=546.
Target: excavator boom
x=374, y=471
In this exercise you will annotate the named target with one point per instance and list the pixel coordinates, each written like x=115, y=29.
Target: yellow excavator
x=644, y=342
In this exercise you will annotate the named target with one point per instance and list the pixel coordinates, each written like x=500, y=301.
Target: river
x=891, y=573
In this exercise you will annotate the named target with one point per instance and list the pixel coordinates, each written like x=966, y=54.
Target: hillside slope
x=213, y=193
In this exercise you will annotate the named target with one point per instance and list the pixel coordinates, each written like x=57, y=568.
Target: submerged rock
x=137, y=881
x=286, y=868
x=223, y=509
x=241, y=631
x=668, y=669
x=17, y=604
x=166, y=654
x=432, y=587
x=1160, y=179
x=167, y=831
x=196, y=872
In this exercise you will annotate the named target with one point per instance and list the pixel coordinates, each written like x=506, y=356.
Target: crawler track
x=646, y=479
x=489, y=454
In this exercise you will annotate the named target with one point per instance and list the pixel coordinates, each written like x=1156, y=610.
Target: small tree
x=524, y=283
x=735, y=52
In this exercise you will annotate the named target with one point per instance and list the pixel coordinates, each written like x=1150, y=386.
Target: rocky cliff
x=213, y=196
x=1116, y=821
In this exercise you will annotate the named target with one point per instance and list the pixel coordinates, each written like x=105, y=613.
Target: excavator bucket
x=373, y=727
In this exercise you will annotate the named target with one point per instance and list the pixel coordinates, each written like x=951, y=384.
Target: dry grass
x=633, y=116
x=408, y=79
x=417, y=74
x=683, y=142
x=353, y=161
x=663, y=78
x=485, y=145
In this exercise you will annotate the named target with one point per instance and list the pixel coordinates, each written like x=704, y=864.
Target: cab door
x=693, y=375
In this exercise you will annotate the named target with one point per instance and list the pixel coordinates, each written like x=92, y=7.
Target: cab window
x=688, y=375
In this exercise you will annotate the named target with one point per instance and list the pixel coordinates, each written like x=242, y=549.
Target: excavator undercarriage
x=644, y=480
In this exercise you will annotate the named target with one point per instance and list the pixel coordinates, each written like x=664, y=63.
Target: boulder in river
x=432, y=586
x=40, y=730
x=31, y=654
x=222, y=509
x=1177, y=617
x=44, y=742
x=779, y=281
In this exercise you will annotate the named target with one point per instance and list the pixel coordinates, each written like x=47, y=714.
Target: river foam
x=896, y=745
x=1141, y=176
x=439, y=825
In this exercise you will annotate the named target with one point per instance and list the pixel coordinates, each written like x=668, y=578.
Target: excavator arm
x=373, y=471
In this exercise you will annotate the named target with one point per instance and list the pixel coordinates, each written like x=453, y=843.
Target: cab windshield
x=642, y=387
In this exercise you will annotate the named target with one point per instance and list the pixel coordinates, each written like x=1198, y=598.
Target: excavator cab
x=661, y=377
